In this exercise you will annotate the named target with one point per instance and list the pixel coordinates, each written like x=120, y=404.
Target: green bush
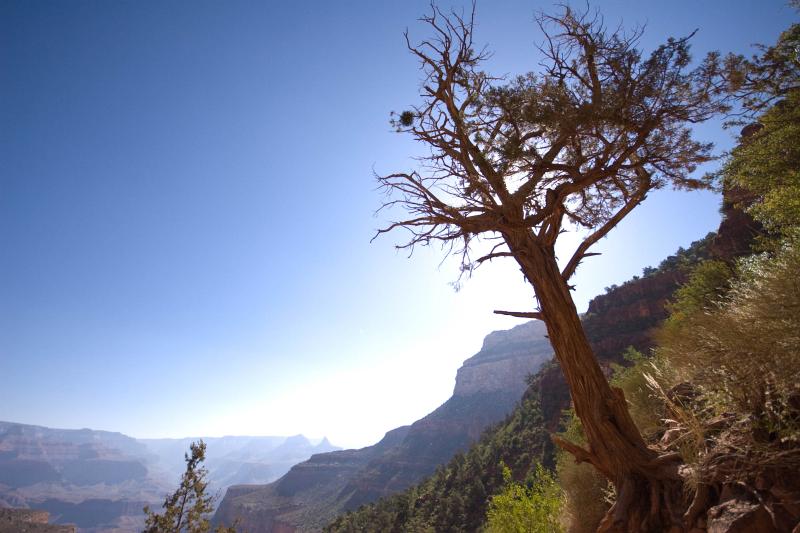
x=455, y=498
x=532, y=507
x=768, y=164
x=708, y=283
x=743, y=351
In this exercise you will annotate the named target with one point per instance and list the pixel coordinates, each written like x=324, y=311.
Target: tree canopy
x=767, y=161
x=581, y=142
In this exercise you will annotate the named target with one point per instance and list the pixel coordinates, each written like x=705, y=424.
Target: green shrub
x=768, y=163
x=744, y=350
x=708, y=283
x=532, y=507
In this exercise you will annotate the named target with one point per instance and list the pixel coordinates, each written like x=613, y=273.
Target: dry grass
x=586, y=491
x=742, y=355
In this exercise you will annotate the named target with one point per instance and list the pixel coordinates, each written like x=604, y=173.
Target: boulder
x=740, y=516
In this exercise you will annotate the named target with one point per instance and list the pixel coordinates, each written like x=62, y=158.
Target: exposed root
x=699, y=504
x=580, y=454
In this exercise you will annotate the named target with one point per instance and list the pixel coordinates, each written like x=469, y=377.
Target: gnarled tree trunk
x=649, y=489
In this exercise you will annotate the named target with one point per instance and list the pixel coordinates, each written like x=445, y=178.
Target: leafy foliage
x=767, y=161
x=768, y=164
x=757, y=83
x=708, y=282
x=188, y=508
x=530, y=507
x=685, y=257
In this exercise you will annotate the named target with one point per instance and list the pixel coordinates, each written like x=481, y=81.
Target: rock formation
x=488, y=386
x=93, y=479
x=100, y=480
x=504, y=361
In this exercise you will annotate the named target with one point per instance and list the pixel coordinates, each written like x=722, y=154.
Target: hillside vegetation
x=456, y=496
x=459, y=496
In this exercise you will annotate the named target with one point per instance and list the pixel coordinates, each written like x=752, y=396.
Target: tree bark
x=648, y=489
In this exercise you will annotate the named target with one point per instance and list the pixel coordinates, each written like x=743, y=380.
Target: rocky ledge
x=505, y=361
x=29, y=521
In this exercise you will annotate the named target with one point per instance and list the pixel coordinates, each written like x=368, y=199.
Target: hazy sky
x=186, y=207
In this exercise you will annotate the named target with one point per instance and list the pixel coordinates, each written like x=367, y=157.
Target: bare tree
x=577, y=145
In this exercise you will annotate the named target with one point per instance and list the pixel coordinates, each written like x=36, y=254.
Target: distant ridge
x=100, y=480
x=488, y=386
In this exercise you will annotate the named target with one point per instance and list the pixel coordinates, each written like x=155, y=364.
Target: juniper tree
x=189, y=507
x=577, y=145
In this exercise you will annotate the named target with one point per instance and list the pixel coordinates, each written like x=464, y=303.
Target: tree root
x=698, y=505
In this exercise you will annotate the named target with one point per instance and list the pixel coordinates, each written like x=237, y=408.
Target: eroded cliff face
x=628, y=315
x=100, y=480
x=96, y=480
x=488, y=386
x=29, y=521
x=504, y=361
x=307, y=494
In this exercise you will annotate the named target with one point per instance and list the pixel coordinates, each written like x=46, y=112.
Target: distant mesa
x=99, y=480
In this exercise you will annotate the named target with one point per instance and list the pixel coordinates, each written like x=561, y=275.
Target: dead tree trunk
x=649, y=490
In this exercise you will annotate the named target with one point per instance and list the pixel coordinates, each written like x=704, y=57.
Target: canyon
x=100, y=480
x=488, y=386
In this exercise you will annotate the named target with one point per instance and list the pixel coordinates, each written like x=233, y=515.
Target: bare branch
x=521, y=314
x=489, y=257
x=603, y=230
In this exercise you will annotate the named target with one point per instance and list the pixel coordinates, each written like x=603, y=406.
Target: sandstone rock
x=739, y=516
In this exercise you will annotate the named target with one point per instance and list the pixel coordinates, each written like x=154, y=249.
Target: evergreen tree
x=515, y=164
x=189, y=507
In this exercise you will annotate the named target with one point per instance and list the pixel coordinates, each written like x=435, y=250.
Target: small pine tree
x=188, y=508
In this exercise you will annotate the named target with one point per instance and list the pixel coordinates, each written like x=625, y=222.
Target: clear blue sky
x=186, y=204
